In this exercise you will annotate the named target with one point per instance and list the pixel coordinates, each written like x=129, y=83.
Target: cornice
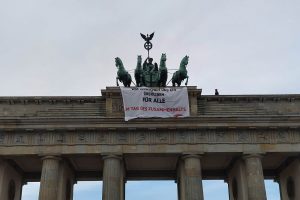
x=252, y=98
x=211, y=122
x=11, y=100
x=49, y=99
x=116, y=91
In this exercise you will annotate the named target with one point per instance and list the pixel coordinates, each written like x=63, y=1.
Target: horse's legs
x=187, y=79
x=117, y=81
x=174, y=77
x=128, y=83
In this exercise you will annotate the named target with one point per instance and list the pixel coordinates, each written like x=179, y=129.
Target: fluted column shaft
x=112, y=178
x=50, y=178
x=190, y=182
x=255, y=177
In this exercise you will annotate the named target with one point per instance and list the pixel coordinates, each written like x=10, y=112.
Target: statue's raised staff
x=162, y=71
x=181, y=74
x=122, y=75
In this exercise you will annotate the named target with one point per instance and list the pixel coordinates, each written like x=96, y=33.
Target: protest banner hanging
x=144, y=102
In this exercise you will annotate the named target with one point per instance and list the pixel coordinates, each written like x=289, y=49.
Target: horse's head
x=163, y=57
x=118, y=62
x=184, y=61
x=139, y=59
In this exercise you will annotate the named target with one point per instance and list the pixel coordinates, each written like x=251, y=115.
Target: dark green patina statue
x=122, y=75
x=149, y=74
x=163, y=71
x=138, y=72
x=181, y=74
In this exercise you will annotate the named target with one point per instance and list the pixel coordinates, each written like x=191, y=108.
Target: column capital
x=115, y=156
x=51, y=157
x=191, y=155
x=253, y=155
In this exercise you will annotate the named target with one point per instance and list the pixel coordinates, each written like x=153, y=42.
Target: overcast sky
x=67, y=47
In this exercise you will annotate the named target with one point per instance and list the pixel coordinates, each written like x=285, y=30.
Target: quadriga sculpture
x=122, y=75
x=181, y=74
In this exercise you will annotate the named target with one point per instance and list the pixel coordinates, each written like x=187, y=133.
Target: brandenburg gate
x=241, y=139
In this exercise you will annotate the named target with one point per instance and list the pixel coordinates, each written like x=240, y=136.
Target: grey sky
x=67, y=47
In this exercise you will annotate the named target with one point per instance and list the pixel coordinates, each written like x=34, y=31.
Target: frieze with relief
x=150, y=137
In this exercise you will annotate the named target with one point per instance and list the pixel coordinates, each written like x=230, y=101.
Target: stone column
x=10, y=181
x=113, y=180
x=255, y=177
x=50, y=178
x=180, y=175
x=237, y=181
x=66, y=182
x=190, y=178
x=123, y=183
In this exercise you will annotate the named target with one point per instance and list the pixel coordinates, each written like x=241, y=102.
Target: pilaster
x=289, y=181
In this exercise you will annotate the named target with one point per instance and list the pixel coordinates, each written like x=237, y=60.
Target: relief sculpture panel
x=137, y=137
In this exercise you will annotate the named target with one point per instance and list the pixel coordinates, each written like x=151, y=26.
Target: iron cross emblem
x=148, y=45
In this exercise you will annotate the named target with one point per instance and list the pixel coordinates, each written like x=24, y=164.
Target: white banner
x=143, y=102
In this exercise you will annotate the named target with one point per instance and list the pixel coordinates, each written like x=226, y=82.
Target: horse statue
x=122, y=75
x=181, y=74
x=163, y=71
x=138, y=72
